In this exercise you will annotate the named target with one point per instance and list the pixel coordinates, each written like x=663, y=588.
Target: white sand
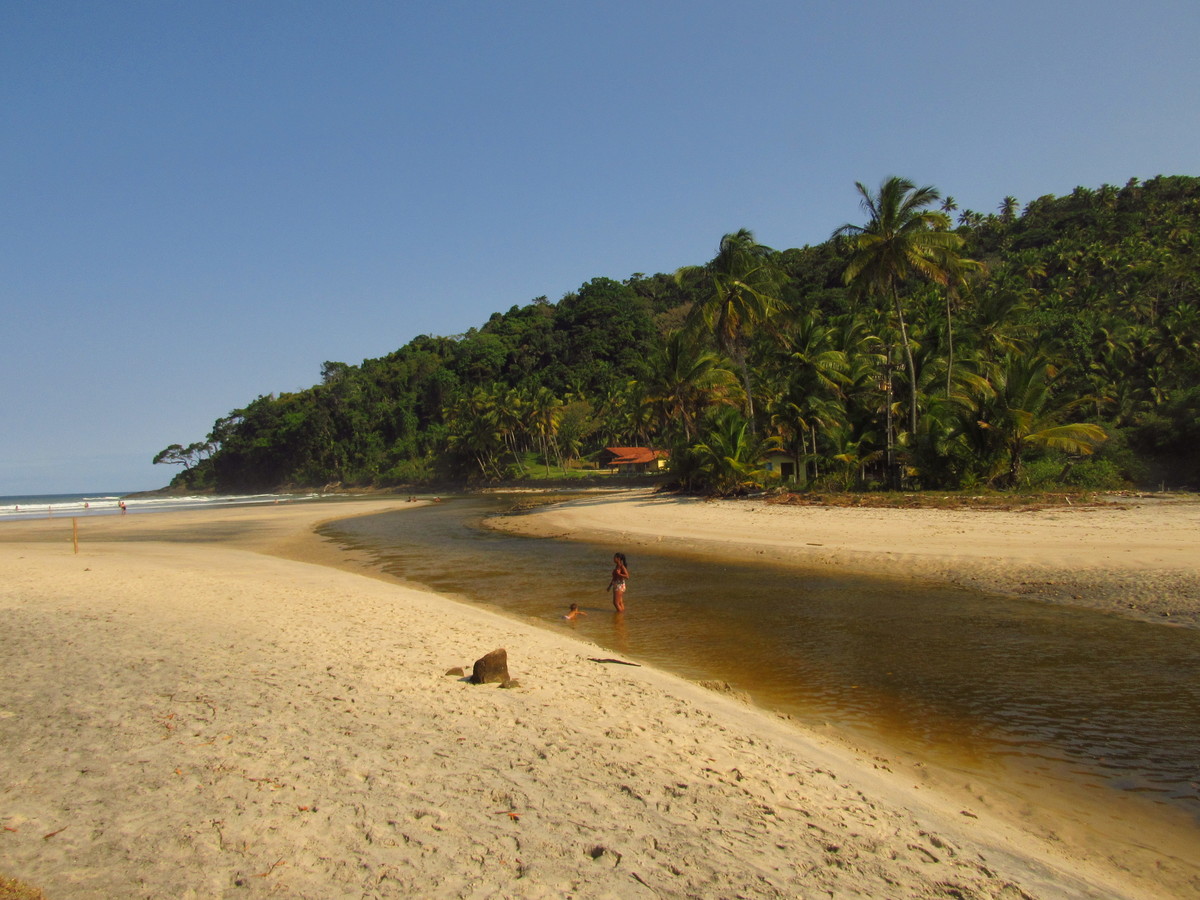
x=1137, y=556
x=183, y=716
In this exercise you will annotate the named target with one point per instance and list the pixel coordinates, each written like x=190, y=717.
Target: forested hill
x=923, y=346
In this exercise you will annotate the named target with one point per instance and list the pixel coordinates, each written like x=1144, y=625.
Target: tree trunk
x=738, y=354
x=912, y=366
x=949, y=345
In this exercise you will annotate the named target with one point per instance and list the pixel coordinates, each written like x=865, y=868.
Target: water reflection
x=1096, y=699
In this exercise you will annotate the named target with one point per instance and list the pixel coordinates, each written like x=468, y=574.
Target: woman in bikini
x=620, y=575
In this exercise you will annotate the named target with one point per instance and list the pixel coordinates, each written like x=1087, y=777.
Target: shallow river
x=1059, y=698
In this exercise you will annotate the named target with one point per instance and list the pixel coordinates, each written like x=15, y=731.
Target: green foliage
x=903, y=241
x=684, y=381
x=739, y=292
x=188, y=456
x=576, y=424
x=407, y=471
x=727, y=459
x=1050, y=472
x=606, y=335
x=875, y=358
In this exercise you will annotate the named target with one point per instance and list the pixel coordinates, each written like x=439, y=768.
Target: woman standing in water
x=620, y=575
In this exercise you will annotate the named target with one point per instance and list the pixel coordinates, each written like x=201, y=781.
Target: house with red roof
x=633, y=460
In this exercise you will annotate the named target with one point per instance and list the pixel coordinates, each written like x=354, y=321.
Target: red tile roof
x=633, y=455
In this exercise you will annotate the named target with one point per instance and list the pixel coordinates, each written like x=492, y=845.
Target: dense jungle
x=1055, y=345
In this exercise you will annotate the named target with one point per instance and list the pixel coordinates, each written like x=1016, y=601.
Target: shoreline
x=224, y=719
x=1139, y=558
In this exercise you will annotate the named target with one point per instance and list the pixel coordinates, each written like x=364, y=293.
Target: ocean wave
x=39, y=506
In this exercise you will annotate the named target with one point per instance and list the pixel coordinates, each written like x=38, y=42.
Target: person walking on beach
x=620, y=575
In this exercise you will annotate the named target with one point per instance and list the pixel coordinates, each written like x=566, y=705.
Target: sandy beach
x=1136, y=556
x=219, y=703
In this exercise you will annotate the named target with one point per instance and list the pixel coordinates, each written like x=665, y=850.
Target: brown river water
x=1046, y=699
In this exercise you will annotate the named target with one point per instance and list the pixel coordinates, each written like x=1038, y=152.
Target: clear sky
x=204, y=201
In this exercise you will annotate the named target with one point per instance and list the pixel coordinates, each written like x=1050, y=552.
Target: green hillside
x=921, y=347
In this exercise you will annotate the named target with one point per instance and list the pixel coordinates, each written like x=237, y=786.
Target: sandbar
x=1136, y=556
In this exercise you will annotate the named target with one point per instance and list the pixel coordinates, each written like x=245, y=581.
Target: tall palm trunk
x=949, y=344
x=738, y=354
x=908, y=358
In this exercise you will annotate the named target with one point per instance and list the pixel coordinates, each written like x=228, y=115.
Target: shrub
x=1052, y=472
x=407, y=471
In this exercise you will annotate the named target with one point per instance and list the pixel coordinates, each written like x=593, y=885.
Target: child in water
x=574, y=612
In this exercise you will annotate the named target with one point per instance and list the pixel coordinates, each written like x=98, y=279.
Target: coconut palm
x=545, y=412
x=474, y=431
x=903, y=240
x=743, y=283
x=685, y=378
x=853, y=451
x=1022, y=412
x=959, y=273
x=809, y=395
x=726, y=459
x=623, y=416
x=510, y=413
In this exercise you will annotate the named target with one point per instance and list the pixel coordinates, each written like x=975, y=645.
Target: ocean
x=108, y=503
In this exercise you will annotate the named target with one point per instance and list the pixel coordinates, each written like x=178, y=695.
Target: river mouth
x=1099, y=711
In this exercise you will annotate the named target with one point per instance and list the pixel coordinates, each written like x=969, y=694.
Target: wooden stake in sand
x=75, y=534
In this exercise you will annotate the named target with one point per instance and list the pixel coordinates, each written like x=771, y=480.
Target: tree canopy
x=1059, y=342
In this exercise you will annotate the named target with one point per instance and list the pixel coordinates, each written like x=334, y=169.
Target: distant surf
x=107, y=503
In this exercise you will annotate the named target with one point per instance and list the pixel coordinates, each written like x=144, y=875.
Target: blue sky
x=204, y=201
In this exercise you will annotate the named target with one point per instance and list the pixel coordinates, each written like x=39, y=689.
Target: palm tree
x=511, y=420
x=853, y=451
x=1008, y=208
x=958, y=274
x=623, y=415
x=638, y=415
x=685, y=378
x=949, y=204
x=474, y=430
x=1021, y=412
x=726, y=460
x=743, y=282
x=809, y=396
x=903, y=239
x=545, y=413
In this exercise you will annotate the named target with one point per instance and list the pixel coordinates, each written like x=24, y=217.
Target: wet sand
x=1137, y=556
x=210, y=703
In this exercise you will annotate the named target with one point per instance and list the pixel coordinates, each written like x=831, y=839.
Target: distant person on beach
x=620, y=575
x=121, y=503
x=574, y=613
